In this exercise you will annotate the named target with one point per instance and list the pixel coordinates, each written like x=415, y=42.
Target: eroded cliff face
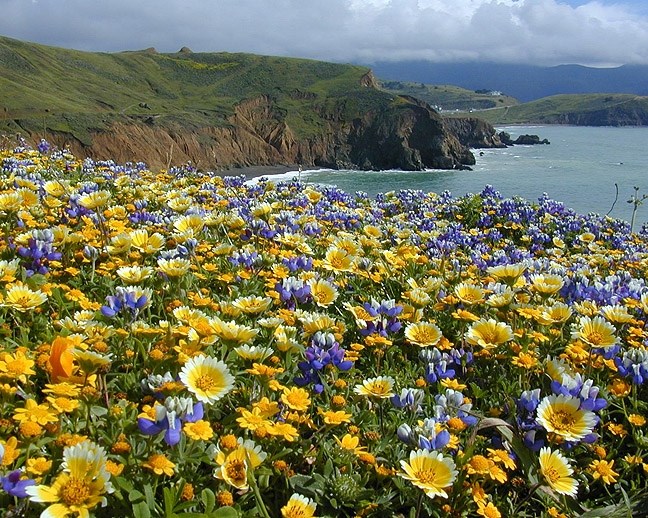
x=473, y=132
x=407, y=135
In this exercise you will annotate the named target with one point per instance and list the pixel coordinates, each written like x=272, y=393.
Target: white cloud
x=528, y=31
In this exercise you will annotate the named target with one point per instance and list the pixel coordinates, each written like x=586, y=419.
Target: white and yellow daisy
x=207, y=378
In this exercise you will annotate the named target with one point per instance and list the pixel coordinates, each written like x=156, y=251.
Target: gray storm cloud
x=525, y=31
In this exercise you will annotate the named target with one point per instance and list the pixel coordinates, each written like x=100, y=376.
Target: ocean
x=581, y=167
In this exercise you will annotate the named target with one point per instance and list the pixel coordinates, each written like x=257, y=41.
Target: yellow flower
x=469, y=293
x=80, y=487
x=16, y=366
x=557, y=472
x=637, y=420
x=381, y=387
x=174, y=267
x=8, y=270
x=596, y=332
x=10, y=202
x=63, y=404
x=479, y=465
x=620, y=387
x=266, y=407
x=430, y=471
x=488, y=510
x=602, y=469
x=199, y=430
x=557, y=313
x=233, y=468
x=616, y=314
x=489, y=333
x=335, y=418
x=296, y=398
x=225, y=498
x=339, y=260
x=134, y=274
x=38, y=466
x=193, y=223
x=141, y=240
x=10, y=451
x=323, y=292
x=546, y=284
x=207, y=378
x=62, y=389
x=525, y=360
x=252, y=305
x=94, y=200
x=298, y=506
x=285, y=430
x=561, y=415
x=30, y=429
x=21, y=298
x=41, y=414
x=231, y=332
x=351, y=443
x=159, y=464
x=253, y=352
x=423, y=334
x=90, y=361
x=507, y=273
x=503, y=457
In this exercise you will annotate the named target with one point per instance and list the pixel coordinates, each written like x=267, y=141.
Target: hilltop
x=218, y=110
x=574, y=109
x=523, y=82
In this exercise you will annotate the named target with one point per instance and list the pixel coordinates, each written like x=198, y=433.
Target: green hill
x=448, y=97
x=576, y=109
x=218, y=109
x=67, y=89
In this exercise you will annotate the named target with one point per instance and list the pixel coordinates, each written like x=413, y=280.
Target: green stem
x=257, y=495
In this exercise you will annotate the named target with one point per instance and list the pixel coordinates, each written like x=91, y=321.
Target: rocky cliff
x=405, y=134
x=473, y=132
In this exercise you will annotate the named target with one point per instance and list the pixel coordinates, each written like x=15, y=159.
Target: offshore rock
x=523, y=140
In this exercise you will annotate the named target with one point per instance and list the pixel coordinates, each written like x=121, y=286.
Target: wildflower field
x=178, y=343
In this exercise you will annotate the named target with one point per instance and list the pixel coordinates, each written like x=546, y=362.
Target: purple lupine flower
x=14, y=485
x=126, y=300
x=633, y=364
x=424, y=435
x=293, y=291
x=39, y=252
x=324, y=350
x=169, y=418
x=451, y=404
x=409, y=398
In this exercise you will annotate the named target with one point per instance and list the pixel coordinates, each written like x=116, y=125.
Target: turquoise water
x=579, y=168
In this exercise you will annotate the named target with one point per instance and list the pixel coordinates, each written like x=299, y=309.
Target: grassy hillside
x=581, y=109
x=448, y=97
x=58, y=89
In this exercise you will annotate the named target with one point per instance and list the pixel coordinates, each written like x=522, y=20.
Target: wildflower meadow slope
x=177, y=343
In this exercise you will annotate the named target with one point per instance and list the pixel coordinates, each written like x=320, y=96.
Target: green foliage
x=77, y=93
x=448, y=97
x=590, y=109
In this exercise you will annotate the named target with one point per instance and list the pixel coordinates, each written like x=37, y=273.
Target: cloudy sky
x=543, y=32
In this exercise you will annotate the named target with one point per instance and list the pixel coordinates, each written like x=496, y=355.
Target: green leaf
x=169, y=501
x=98, y=411
x=135, y=495
x=123, y=483
x=223, y=512
x=208, y=499
x=141, y=510
x=150, y=496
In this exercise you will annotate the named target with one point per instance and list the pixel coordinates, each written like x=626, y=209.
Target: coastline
x=258, y=171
